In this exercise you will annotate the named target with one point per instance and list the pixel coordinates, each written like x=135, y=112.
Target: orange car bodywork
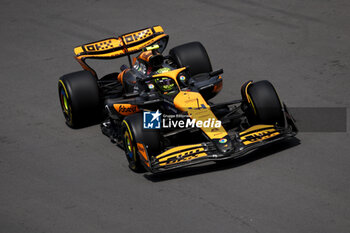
x=117, y=47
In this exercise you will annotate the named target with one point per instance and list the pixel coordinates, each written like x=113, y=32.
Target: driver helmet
x=163, y=70
x=165, y=84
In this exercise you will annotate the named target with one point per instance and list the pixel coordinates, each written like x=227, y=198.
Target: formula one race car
x=158, y=107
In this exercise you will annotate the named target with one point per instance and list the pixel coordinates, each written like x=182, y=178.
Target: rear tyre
x=194, y=55
x=263, y=104
x=79, y=99
x=133, y=133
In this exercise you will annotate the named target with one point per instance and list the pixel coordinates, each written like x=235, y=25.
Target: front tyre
x=130, y=149
x=263, y=103
x=133, y=133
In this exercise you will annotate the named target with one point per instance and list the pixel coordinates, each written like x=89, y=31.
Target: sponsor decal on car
x=126, y=109
x=223, y=140
x=250, y=136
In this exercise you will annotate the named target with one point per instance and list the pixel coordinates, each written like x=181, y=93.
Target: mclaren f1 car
x=142, y=107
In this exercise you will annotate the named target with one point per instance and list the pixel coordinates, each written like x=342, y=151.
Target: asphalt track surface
x=54, y=179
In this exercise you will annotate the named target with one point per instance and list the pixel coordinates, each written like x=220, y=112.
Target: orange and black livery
x=157, y=85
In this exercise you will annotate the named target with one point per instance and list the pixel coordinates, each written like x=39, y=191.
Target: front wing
x=243, y=143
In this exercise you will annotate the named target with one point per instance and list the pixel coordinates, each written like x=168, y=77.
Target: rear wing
x=124, y=45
